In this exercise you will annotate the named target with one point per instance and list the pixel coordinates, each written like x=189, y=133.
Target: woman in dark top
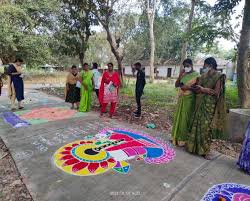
x=1, y=83
x=16, y=86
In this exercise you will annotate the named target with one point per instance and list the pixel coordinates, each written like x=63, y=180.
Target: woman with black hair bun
x=209, y=117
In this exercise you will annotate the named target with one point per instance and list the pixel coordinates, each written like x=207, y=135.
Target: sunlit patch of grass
x=156, y=95
x=164, y=95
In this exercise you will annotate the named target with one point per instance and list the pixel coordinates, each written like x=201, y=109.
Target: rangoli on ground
x=39, y=115
x=228, y=192
x=111, y=149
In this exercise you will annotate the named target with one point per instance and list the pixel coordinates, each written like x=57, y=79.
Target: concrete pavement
x=186, y=178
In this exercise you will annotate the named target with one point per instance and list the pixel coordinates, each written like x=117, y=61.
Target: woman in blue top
x=16, y=86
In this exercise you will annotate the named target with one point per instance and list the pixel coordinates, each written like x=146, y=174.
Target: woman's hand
x=182, y=73
x=200, y=89
x=208, y=91
x=177, y=83
x=185, y=88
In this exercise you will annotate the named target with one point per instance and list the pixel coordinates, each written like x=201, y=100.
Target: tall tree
x=151, y=8
x=243, y=68
x=226, y=7
x=104, y=11
x=19, y=37
x=168, y=25
x=118, y=25
x=74, y=29
x=188, y=30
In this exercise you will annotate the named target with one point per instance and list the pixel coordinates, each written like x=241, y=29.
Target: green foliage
x=19, y=37
x=99, y=50
x=232, y=98
x=164, y=95
x=58, y=31
x=208, y=26
x=72, y=35
x=168, y=29
x=225, y=7
x=161, y=95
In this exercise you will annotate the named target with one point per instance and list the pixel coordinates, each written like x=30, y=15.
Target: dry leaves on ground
x=11, y=186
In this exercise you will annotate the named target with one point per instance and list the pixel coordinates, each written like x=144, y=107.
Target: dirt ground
x=12, y=187
x=161, y=118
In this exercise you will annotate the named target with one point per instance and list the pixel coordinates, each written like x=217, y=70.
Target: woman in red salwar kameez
x=109, y=90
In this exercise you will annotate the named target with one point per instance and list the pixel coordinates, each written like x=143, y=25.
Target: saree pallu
x=208, y=116
x=86, y=94
x=185, y=108
x=108, y=93
x=244, y=159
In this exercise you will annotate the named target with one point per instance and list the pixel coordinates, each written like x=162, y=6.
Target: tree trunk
x=114, y=48
x=152, y=47
x=120, y=69
x=81, y=58
x=184, y=52
x=151, y=6
x=243, y=62
x=189, y=28
x=6, y=59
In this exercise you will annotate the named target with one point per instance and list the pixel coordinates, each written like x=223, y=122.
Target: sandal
x=208, y=156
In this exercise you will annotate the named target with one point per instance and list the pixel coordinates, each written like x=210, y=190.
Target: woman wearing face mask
x=186, y=103
x=209, y=115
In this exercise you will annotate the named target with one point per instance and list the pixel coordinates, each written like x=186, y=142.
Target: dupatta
x=106, y=79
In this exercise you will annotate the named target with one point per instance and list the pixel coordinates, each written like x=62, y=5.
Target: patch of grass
x=155, y=95
x=232, y=99
x=164, y=95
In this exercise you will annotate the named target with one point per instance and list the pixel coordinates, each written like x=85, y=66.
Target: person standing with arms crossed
x=140, y=84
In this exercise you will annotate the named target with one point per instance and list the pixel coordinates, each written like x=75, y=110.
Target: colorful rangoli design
x=111, y=149
x=39, y=115
x=228, y=192
x=244, y=159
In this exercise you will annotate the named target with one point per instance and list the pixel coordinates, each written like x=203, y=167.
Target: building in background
x=171, y=69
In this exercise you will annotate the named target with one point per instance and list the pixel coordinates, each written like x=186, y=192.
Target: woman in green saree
x=185, y=105
x=210, y=113
x=86, y=89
